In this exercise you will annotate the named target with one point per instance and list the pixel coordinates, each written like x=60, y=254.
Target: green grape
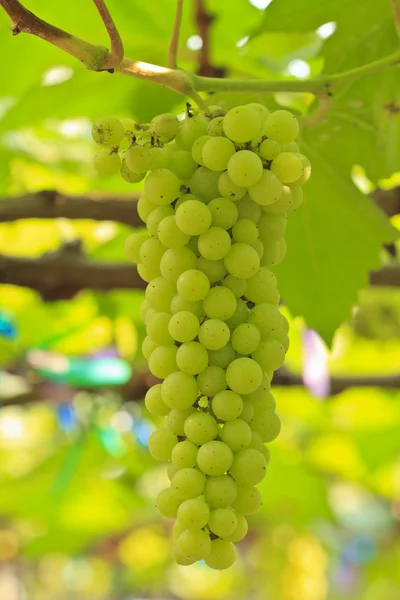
x=133, y=243
x=197, y=148
x=283, y=204
x=297, y=196
x=214, y=334
x=228, y=189
x=249, y=467
x=183, y=326
x=193, y=217
x=240, y=531
x=146, y=311
x=283, y=338
x=188, y=483
x=222, y=521
x=239, y=316
x=159, y=158
x=220, y=303
x=108, y=131
x=266, y=190
x=157, y=328
x=245, y=338
x=217, y=152
x=242, y=123
x=148, y=347
x=193, y=285
x=178, y=304
x=236, y=434
x=130, y=126
x=168, y=503
x=171, y=470
x=166, y=126
x=245, y=168
x=243, y=375
x=214, y=244
x=161, y=442
x=130, y=176
x=272, y=252
x=151, y=252
x=287, y=166
x=169, y=233
x=267, y=423
x=192, y=358
x=237, y=286
x=162, y=187
x=216, y=127
x=211, y=381
x=145, y=207
x=191, y=129
x=192, y=245
x=256, y=441
x=245, y=231
x=184, y=197
x=200, y=428
x=184, y=454
x=291, y=147
x=107, y=162
x=156, y=216
x=179, y=390
x=227, y=405
x=159, y=294
x=248, y=500
x=248, y=209
x=154, y=402
x=242, y=261
x=224, y=212
x=282, y=126
x=261, y=288
x=175, y=261
x=220, y=491
x=266, y=318
x=266, y=453
x=204, y=183
x=262, y=393
x=182, y=164
x=221, y=358
x=282, y=249
x=176, y=419
x=269, y=149
x=248, y=412
x=272, y=227
x=148, y=273
x=221, y=556
x=270, y=355
x=214, y=458
x=306, y=169
x=194, y=544
x=259, y=248
x=193, y=514
x=138, y=159
x=162, y=361
x=214, y=269
x=180, y=559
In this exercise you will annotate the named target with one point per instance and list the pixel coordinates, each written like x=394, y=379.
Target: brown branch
x=396, y=15
x=61, y=275
x=24, y=21
x=204, y=21
x=388, y=200
x=117, y=47
x=50, y=204
x=174, y=45
x=386, y=277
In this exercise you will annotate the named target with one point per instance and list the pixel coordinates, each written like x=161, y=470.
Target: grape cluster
x=215, y=205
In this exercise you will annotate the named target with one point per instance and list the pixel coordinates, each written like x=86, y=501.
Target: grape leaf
x=333, y=242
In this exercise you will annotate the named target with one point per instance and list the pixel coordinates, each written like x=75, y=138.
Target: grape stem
x=174, y=45
x=99, y=58
x=117, y=47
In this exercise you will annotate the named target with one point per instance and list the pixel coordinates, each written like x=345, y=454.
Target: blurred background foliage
x=78, y=487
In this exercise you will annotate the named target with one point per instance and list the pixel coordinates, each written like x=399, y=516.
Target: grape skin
x=217, y=190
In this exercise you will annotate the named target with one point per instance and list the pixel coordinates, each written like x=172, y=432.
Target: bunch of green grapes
x=215, y=205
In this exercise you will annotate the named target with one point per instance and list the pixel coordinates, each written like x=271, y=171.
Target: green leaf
x=333, y=242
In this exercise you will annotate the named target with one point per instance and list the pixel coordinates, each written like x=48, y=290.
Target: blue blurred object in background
x=8, y=329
